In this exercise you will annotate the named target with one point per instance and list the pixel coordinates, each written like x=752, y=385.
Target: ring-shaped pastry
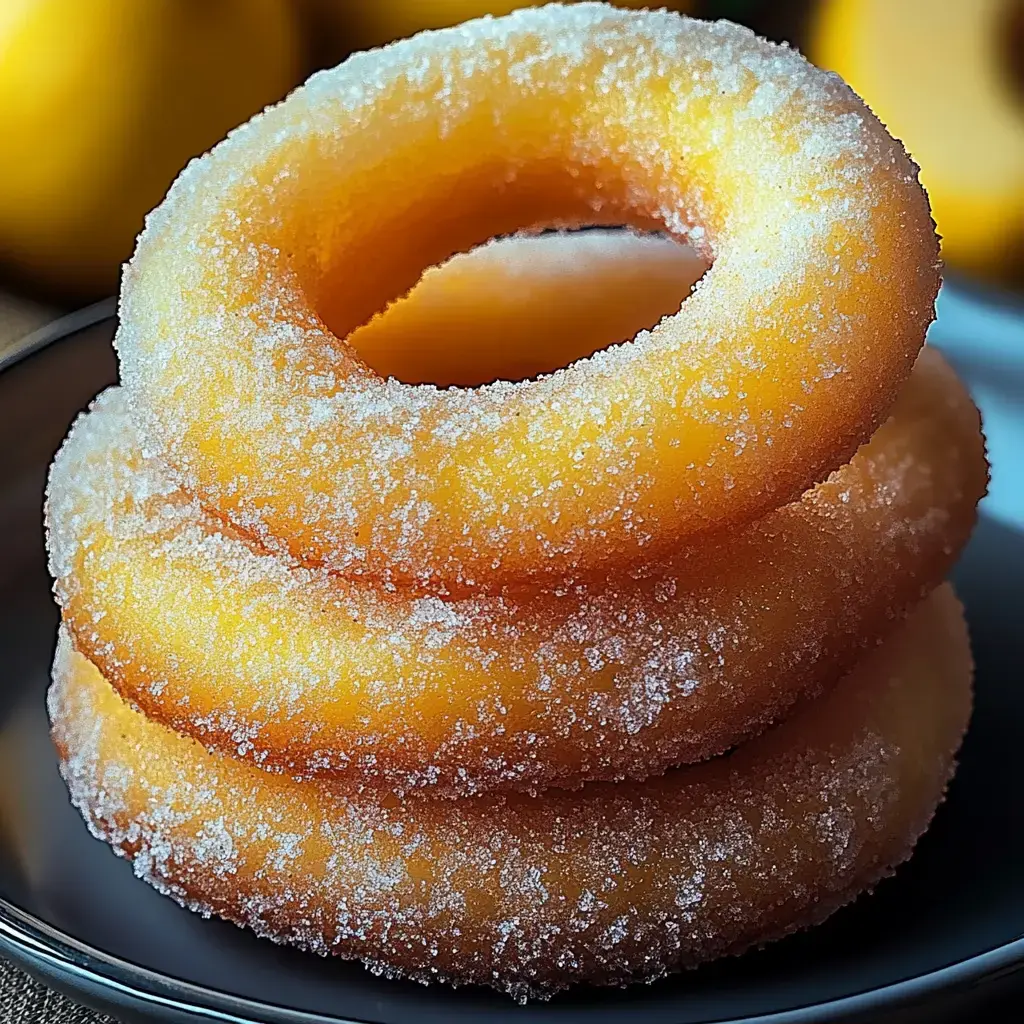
x=305, y=222
x=531, y=894
x=311, y=674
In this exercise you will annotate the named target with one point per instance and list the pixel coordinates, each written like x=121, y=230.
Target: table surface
x=25, y=1001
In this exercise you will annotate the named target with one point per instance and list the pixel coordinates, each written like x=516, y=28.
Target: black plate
x=945, y=935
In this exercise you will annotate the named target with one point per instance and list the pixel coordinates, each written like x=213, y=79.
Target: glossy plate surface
x=939, y=941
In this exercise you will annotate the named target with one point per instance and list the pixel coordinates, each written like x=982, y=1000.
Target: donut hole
x=524, y=305
x=368, y=285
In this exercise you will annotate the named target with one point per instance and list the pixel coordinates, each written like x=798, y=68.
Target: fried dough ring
x=531, y=894
x=306, y=221
x=311, y=674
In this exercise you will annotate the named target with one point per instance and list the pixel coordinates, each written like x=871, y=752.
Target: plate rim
x=34, y=944
x=981, y=292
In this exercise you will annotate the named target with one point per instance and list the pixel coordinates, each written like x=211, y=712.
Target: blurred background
x=103, y=101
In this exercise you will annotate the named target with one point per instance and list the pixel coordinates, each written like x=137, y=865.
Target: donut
x=306, y=222
x=309, y=673
x=942, y=77
x=532, y=893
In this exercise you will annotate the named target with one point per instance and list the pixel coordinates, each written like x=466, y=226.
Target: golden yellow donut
x=531, y=894
x=307, y=673
x=307, y=221
x=939, y=74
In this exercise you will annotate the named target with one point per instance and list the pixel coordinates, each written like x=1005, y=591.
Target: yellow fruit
x=939, y=74
x=380, y=21
x=101, y=104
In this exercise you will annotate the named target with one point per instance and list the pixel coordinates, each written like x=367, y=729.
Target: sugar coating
x=306, y=221
x=347, y=587
x=303, y=672
x=530, y=894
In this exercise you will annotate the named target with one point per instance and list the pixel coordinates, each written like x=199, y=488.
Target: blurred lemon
x=940, y=74
x=373, y=22
x=101, y=104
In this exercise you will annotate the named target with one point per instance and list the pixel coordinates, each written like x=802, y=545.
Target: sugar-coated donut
x=304, y=223
x=531, y=894
x=311, y=674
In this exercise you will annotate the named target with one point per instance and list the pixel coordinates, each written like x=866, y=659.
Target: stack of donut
x=401, y=643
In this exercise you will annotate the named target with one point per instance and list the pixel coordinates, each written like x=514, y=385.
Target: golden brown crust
x=530, y=894
x=364, y=597
x=268, y=252
x=309, y=674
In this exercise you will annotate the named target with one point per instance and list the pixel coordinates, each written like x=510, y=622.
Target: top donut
x=269, y=251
